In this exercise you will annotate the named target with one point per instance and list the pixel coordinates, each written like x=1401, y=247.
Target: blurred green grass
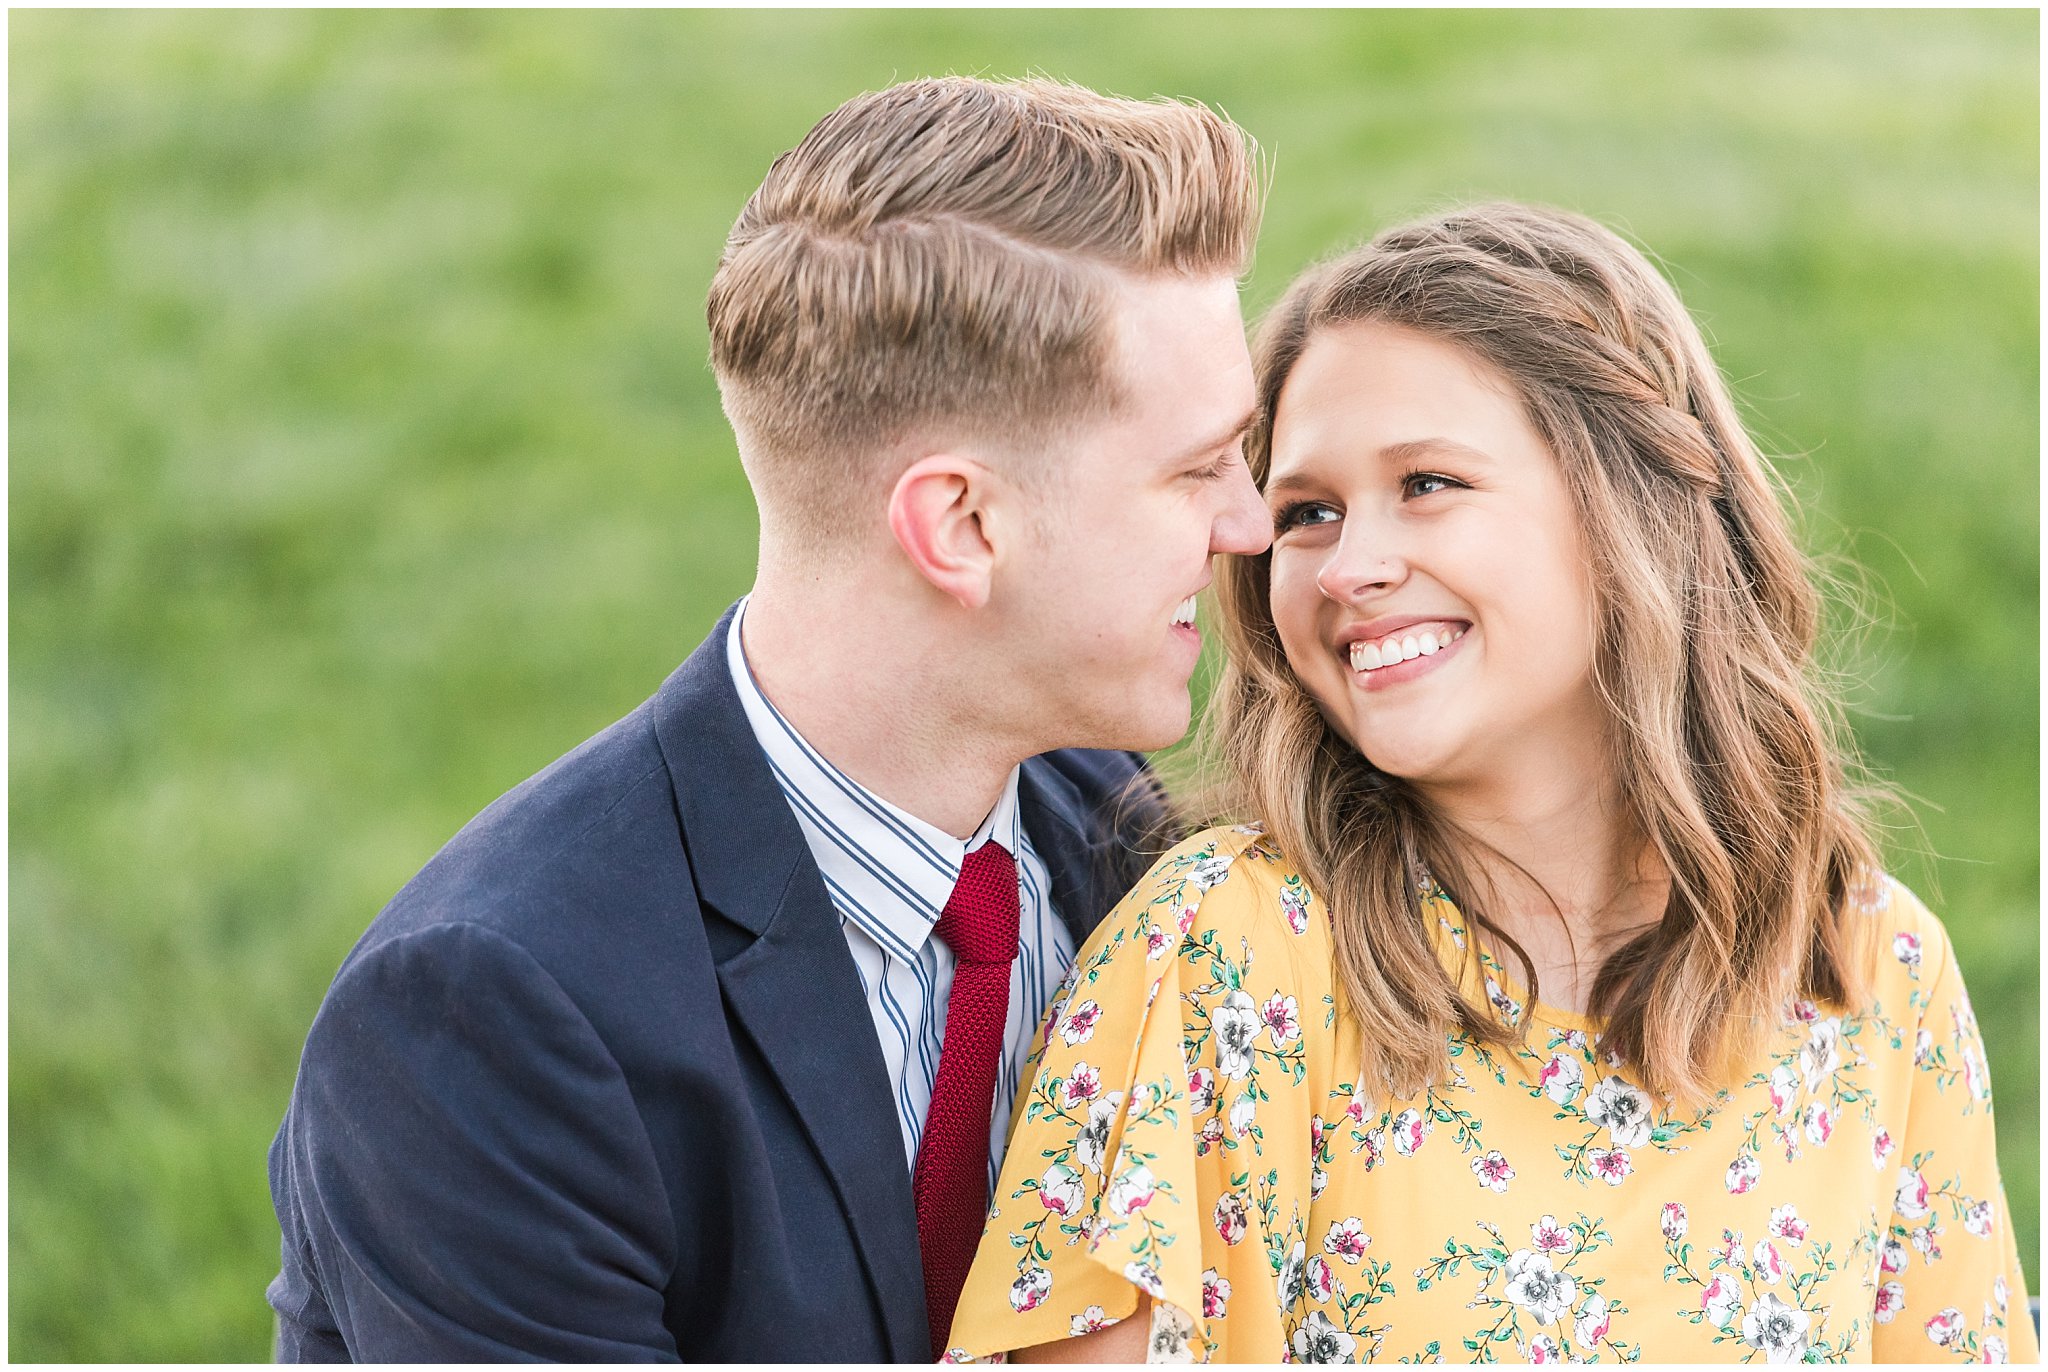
x=365, y=458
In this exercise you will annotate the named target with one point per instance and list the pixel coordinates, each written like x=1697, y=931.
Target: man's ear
x=937, y=513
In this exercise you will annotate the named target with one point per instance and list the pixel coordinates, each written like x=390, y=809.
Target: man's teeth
x=1186, y=613
x=1365, y=657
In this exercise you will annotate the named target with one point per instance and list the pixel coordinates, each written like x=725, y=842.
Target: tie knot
x=979, y=922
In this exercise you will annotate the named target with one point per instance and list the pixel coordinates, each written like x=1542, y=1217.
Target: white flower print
x=1923, y=1046
x=1538, y=1287
x=1980, y=1219
x=1208, y=872
x=1973, y=1074
x=1156, y=943
x=1279, y=1015
x=1493, y=1171
x=1742, y=1173
x=1721, y=1299
x=1201, y=1091
x=1079, y=1025
x=1891, y=1299
x=1083, y=1083
x=1622, y=1110
x=1946, y=1326
x=1766, y=1262
x=1060, y=1190
x=1093, y=1140
x=1881, y=1147
x=1509, y=1009
x=1923, y=1241
x=1911, y=1202
x=1410, y=1129
x=1088, y=1321
x=1132, y=1190
x=1318, y=1182
x=1993, y=1349
x=1776, y=1329
x=1319, y=1341
x=1784, y=1090
x=1906, y=948
x=1610, y=1165
x=1348, y=1240
x=1215, y=1294
x=1892, y=1257
x=1231, y=1211
x=1672, y=1222
x=1592, y=1324
x=1145, y=1278
x=1236, y=1022
x=1821, y=1054
x=1242, y=1111
x=2000, y=1292
x=1289, y=1282
x=1322, y=1280
x=1172, y=1328
x=1373, y=1151
x=1786, y=1224
x=1820, y=1123
x=1544, y=1350
x=1561, y=1078
x=1029, y=1291
x=1294, y=905
x=1548, y=1236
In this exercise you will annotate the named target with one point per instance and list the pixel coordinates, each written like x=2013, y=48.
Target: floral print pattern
x=1193, y=1131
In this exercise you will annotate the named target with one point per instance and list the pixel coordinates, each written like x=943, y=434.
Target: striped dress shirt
x=889, y=875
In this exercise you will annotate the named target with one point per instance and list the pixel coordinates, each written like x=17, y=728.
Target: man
x=700, y=1043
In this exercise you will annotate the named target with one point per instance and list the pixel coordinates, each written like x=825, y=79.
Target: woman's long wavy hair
x=1727, y=747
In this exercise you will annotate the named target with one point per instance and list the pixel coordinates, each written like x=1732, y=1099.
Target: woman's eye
x=1301, y=514
x=1427, y=483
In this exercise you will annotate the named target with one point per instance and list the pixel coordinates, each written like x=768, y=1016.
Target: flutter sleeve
x=1950, y=1284
x=1147, y=1145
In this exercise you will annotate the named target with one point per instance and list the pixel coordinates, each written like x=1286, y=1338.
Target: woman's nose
x=1359, y=566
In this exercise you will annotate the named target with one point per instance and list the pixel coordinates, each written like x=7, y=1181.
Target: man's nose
x=1243, y=526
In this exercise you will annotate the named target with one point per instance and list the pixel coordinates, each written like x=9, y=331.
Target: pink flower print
x=1215, y=1294
x=1348, y=1240
x=1493, y=1171
x=1730, y=1247
x=1892, y=1257
x=1721, y=1299
x=1548, y=1236
x=1544, y=1350
x=1156, y=943
x=1784, y=1090
x=1980, y=1219
x=1356, y=1110
x=1132, y=1190
x=1084, y=1083
x=1322, y=1282
x=1029, y=1291
x=1560, y=1079
x=1294, y=905
x=1766, y=1263
x=1060, y=1190
x=1211, y=1135
x=1230, y=1215
x=1742, y=1173
x=1052, y=1018
x=1891, y=1299
x=1592, y=1323
x=1611, y=1165
x=1820, y=1123
x=1279, y=1014
x=1805, y=1011
x=1881, y=1147
x=1906, y=948
x=1088, y=1321
x=1946, y=1327
x=1201, y=1091
x=1184, y=918
x=1786, y=1224
x=1079, y=1025
x=1374, y=1148
x=1410, y=1129
x=1316, y=1129
x=1911, y=1198
x=1993, y=1349
x=1672, y=1221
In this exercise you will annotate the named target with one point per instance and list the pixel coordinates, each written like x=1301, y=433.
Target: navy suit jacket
x=600, y=1083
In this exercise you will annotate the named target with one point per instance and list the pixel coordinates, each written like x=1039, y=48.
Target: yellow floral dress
x=1192, y=1131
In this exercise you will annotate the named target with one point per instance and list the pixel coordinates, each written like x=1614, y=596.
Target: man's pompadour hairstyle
x=937, y=259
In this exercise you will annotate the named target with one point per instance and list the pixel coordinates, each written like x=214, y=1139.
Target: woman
x=1553, y=1006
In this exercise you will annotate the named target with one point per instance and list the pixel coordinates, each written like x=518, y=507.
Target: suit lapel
x=793, y=987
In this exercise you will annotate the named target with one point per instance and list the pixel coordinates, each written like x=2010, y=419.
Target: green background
x=365, y=458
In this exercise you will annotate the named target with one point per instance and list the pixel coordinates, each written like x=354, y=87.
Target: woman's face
x=1429, y=579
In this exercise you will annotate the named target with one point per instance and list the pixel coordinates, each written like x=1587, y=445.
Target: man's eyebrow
x=1236, y=432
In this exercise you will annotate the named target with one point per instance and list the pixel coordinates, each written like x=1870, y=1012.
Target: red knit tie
x=951, y=1181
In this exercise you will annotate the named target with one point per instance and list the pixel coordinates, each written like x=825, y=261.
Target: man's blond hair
x=938, y=259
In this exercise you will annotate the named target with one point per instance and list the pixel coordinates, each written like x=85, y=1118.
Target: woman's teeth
x=1366, y=657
